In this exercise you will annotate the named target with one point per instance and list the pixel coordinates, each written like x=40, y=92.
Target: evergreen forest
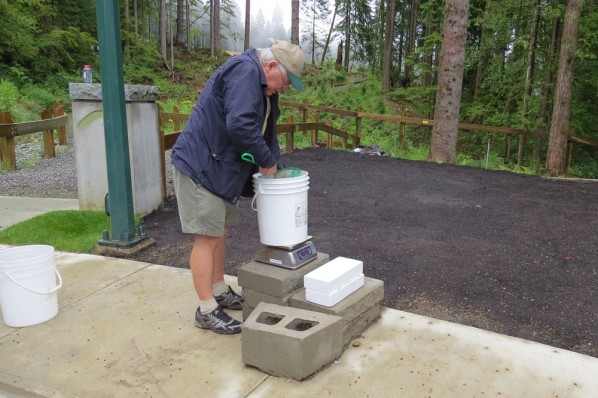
x=377, y=56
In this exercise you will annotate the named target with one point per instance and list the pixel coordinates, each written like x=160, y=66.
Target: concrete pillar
x=144, y=146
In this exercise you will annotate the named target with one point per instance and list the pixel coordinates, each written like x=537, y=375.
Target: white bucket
x=28, y=285
x=281, y=209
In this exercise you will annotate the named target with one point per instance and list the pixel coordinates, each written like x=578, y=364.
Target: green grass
x=74, y=231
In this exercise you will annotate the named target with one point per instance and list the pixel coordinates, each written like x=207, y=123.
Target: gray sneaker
x=217, y=321
x=230, y=300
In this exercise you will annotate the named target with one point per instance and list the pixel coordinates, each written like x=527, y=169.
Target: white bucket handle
x=253, y=200
x=36, y=292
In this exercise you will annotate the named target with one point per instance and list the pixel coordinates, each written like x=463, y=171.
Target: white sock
x=207, y=306
x=219, y=288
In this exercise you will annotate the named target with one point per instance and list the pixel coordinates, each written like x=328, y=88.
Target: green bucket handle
x=248, y=157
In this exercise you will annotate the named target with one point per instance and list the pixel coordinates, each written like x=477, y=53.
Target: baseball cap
x=292, y=59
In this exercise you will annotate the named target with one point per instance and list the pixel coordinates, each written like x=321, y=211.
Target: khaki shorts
x=201, y=212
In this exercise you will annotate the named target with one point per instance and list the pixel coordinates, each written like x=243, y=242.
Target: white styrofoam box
x=333, y=275
x=330, y=299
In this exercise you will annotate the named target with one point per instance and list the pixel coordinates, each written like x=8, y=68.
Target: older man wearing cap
x=235, y=113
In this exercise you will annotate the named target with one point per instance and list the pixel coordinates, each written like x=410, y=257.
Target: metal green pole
x=119, y=201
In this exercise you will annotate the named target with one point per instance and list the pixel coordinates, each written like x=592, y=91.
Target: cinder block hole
x=268, y=318
x=301, y=325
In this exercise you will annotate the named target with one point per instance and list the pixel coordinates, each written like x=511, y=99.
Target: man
x=235, y=113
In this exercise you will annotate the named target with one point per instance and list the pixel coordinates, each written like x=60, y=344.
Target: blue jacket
x=226, y=122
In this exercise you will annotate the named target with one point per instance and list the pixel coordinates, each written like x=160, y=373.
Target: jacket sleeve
x=244, y=103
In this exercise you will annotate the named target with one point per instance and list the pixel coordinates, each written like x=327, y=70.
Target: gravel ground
x=41, y=177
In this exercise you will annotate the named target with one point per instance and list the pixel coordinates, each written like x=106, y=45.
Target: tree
x=295, y=22
x=450, y=78
x=181, y=23
x=561, y=112
x=215, y=28
x=329, y=36
x=315, y=14
x=247, y=24
x=388, y=40
x=163, y=47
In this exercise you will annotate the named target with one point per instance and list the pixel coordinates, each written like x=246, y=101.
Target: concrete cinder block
x=273, y=280
x=247, y=310
x=357, y=326
x=253, y=298
x=290, y=342
x=334, y=297
x=371, y=293
x=334, y=275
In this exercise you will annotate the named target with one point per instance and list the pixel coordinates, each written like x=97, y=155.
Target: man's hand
x=268, y=171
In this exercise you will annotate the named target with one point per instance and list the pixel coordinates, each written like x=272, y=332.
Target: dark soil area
x=513, y=254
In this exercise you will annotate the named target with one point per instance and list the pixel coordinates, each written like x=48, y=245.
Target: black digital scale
x=291, y=257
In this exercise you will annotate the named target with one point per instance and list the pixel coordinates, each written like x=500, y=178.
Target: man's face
x=277, y=81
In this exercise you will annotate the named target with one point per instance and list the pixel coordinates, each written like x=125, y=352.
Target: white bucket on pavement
x=281, y=209
x=28, y=285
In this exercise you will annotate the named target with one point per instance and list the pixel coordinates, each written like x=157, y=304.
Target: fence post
x=48, y=135
x=329, y=143
x=522, y=139
x=176, y=120
x=343, y=139
x=402, y=132
x=357, y=139
x=304, y=120
x=508, y=149
x=314, y=133
x=289, y=147
x=7, y=145
x=58, y=110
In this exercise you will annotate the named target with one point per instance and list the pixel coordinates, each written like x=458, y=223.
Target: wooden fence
x=53, y=118
x=352, y=139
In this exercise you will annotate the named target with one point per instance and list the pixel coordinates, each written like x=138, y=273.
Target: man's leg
x=207, y=264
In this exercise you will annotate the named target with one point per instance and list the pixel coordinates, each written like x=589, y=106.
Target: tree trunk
x=450, y=79
x=247, y=24
x=136, y=18
x=544, y=115
x=410, y=43
x=163, y=48
x=483, y=54
x=313, y=33
x=529, y=77
x=427, y=57
x=388, y=39
x=561, y=111
x=215, y=28
x=347, y=36
x=327, y=43
x=180, y=22
x=295, y=22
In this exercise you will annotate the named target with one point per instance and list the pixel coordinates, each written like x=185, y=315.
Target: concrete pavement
x=14, y=209
x=125, y=329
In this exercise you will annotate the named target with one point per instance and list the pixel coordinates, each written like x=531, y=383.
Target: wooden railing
x=352, y=139
x=53, y=118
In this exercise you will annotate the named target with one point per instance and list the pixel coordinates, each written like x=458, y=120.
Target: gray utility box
x=144, y=146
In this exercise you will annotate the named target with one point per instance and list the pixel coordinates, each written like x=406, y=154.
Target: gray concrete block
x=247, y=310
x=357, y=326
x=273, y=280
x=253, y=298
x=370, y=294
x=290, y=342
